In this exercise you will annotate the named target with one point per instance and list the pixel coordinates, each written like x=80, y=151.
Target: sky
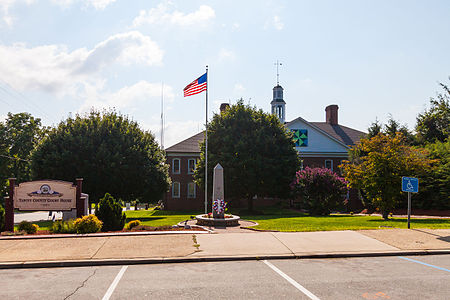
x=372, y=58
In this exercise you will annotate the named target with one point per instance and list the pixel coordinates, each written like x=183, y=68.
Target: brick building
x=319, y=144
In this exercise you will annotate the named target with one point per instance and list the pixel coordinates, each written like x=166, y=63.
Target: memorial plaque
x=45, y=195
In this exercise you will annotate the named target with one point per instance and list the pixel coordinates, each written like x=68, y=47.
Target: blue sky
x=372, y=58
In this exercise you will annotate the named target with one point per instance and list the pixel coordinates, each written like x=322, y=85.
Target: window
x=191, y=166
x=329, y=164
x=176, y=166
x=176, y=190
x=191, y=190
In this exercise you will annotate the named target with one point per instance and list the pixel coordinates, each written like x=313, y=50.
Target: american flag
x=195, y=87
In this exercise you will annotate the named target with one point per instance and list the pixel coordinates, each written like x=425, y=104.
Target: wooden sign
x=45, y=195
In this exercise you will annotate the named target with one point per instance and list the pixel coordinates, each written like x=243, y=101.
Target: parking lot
x=412, y=277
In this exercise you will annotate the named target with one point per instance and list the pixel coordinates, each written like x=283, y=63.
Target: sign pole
x=9, y=206
x=79, y=202
x=409, y=209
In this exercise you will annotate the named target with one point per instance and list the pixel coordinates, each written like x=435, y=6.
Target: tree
x=109, y=151
x=374, y=129
x=256, y=151
x=434, y=124
x=435, y=187
x=110, y=213
x=19, y=135
x=377, y=164
x=390, y=128
x=319, y=190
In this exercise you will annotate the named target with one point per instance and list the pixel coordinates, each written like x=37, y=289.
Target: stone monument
x=218, y=217
x=218, y=197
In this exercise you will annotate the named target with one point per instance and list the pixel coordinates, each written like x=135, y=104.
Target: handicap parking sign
x=410, y=184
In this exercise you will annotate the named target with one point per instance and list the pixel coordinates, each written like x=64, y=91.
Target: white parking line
x=113, y=285
x=292, y=281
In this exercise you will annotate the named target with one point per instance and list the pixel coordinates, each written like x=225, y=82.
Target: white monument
x=218, y=193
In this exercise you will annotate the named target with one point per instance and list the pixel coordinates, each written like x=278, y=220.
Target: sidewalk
x=111, y=250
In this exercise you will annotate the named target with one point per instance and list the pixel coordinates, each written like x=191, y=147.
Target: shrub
x=63, y=227
x=2, y=218
x=88, y=224
x=110, y=213
x=28, y=227
x=319, y=190
x=130, y=225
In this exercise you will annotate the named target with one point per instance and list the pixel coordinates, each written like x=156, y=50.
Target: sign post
x=410, y=185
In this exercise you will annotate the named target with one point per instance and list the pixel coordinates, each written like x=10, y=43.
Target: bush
x=63, y=227
x=88, y=224
x=130, y=225
x=2, y=218
x=110, y=213
x=319, y=190
x=28, y=227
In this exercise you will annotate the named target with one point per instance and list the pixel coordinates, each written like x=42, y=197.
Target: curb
x=66, y=236
x=116, y=262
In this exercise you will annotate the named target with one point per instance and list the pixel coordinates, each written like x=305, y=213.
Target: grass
x=157, y=217
x=43, y=225
x=340, y=222
x=283, y=220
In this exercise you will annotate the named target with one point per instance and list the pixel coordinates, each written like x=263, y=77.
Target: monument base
x=226, y=222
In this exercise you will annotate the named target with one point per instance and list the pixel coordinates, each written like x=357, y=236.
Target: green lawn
x=291, y=220
x=284, y=220
x=158, y=217
x=340, y=222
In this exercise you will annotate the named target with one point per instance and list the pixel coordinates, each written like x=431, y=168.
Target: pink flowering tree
x=319, y=190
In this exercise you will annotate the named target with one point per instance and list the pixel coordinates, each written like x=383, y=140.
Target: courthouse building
x=319, y=144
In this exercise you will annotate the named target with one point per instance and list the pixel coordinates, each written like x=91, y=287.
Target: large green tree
x=434, y=124
x=377, y=165
x=19, y=135
x=109, y=151
x=256, y=151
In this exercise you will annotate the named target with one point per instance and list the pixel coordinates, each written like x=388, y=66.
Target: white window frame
x=173, y=166
x=195, y=163
x=195, y=192
x=173, y=189
x=331, y=161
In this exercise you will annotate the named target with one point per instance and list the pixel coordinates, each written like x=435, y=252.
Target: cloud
x=177, y=131
x=239, y=88
x=277, y=23
x=128, y=97
x=163, y=14
x=5, y=6
x=54, y=69
x=97, y=4
x=226, y=55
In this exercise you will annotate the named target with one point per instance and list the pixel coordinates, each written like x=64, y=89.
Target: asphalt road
x=421, y=277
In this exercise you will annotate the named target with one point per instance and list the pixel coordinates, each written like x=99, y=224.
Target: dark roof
x=346, y=135
x=189, y=145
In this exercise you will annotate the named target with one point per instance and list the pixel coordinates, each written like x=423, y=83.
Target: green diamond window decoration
x=300, y=137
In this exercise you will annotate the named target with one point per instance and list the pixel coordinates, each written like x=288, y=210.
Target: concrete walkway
x=106, y=250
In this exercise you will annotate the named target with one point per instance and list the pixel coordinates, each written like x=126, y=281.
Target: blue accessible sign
x=410, y=184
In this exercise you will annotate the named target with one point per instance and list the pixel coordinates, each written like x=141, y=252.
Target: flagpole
x=206, y=146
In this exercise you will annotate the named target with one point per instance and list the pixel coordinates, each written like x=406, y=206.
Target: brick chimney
x=224, y=107
x=332, y=114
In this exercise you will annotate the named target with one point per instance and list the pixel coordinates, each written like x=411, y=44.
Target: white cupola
x=278, y=104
